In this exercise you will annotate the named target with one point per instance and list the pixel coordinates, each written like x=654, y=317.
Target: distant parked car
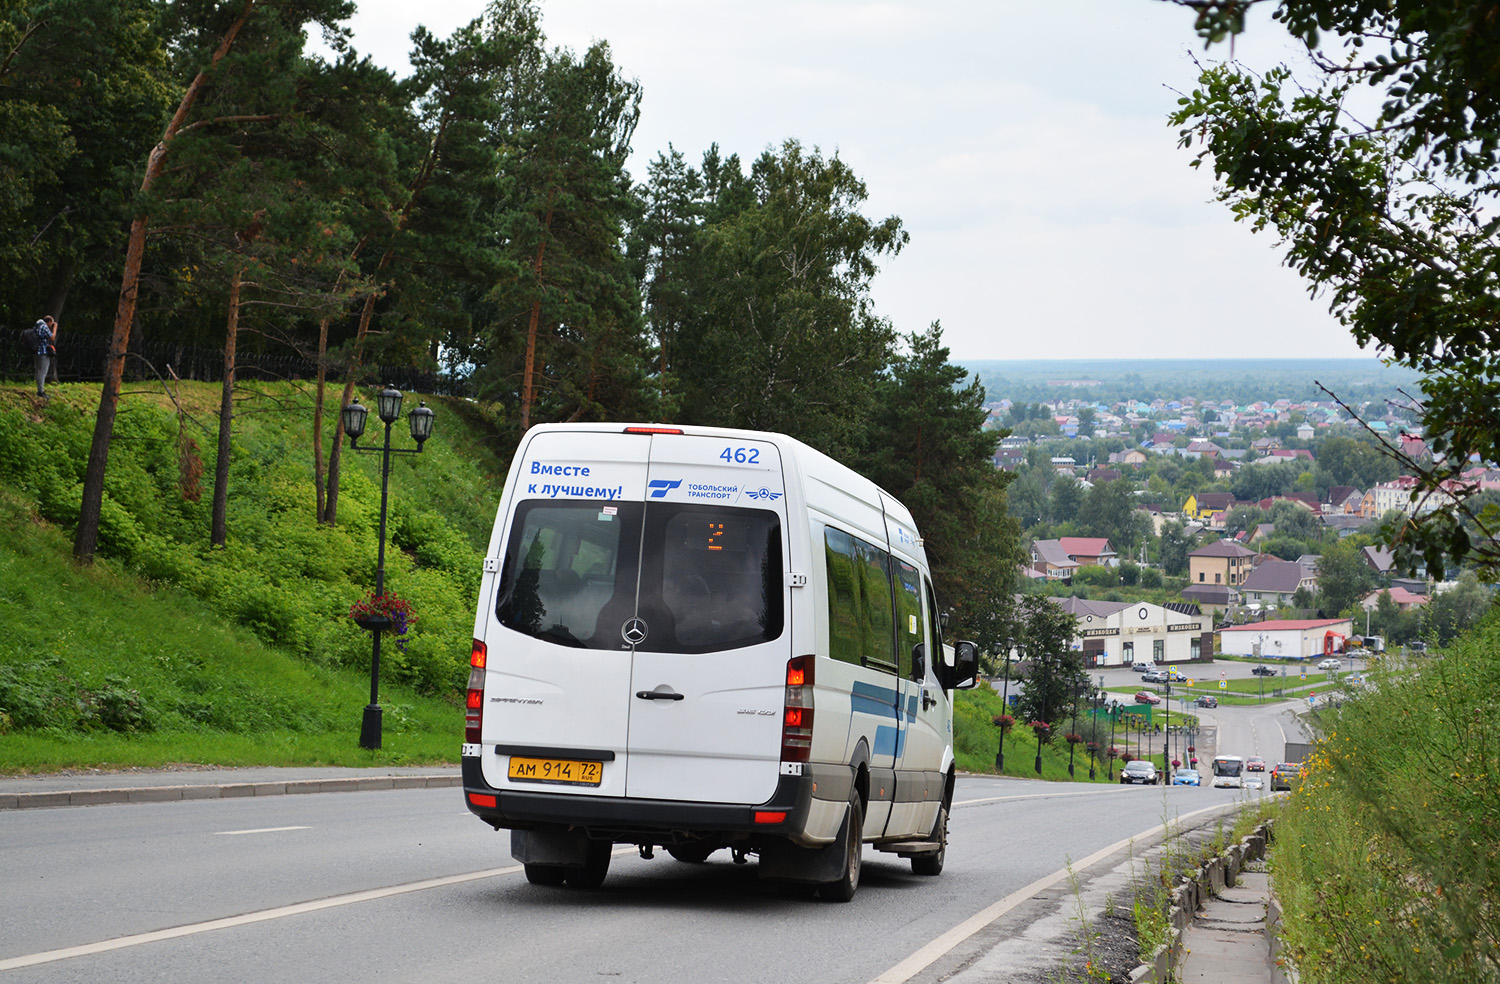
x=1283, y=775
x=1154, y=676
x=1138, y=772
x=1208, y=700
x=1146, y=697
x=1262, y=670
x=1330, y=664
x=1142, y=667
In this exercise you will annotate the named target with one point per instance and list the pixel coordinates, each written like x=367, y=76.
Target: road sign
x=1312, y=699
x=1223, y=684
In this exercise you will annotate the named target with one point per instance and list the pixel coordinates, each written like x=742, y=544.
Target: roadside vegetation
x=169, y=650
x=1386, y=855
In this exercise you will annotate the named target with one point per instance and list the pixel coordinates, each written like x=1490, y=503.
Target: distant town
x=1158, y=521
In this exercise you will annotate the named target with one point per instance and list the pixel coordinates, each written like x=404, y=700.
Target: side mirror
x=965, y=666
x=919, y=662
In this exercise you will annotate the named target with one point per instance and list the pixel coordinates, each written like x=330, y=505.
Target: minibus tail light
x=653, y=430
x=797, y=710
x=474, y=698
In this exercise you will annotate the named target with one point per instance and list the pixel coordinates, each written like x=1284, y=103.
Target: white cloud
x=1024, y=145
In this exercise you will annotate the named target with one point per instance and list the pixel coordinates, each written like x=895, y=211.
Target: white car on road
x=1330, y=664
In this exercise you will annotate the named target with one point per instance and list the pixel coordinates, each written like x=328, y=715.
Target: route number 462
x=741, y=456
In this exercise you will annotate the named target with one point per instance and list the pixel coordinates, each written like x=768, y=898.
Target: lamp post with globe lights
x=388, y=408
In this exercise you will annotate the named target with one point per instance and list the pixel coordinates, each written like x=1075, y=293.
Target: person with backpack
x=45, y=334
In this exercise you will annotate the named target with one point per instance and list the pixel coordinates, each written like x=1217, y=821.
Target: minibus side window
x=861, y=616
x=909, y=632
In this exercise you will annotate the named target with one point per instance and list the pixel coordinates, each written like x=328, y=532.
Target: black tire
x=591, y=873
x=546, y=874
x=691, y=853
x=842, y=890
x=932, y=864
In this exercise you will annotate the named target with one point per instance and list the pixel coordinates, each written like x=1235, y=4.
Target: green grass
x=168, y=651
x=100, y=669
x=1386, y=854
x=976, y=739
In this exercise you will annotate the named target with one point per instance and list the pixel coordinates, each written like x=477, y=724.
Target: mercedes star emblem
x=634, y=631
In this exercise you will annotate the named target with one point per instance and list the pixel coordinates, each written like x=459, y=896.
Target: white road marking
x=257, y=830
x=265, y=915
x=929, y=954
x=1030, y=796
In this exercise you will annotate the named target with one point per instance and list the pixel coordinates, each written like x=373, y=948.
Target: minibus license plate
x=567, y=771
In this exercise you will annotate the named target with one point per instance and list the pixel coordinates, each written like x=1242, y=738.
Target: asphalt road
x=407, y=886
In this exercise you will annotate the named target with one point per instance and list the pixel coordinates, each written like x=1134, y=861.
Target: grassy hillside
x=167, y=650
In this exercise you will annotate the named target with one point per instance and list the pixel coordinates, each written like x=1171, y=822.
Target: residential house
x=1343, y=499
x=1278, y=455
x=1223, y=562
x=1214, y=598
x=1264, y=445
x=1272, y=584
x=1381, y=560
x=1205, y=504
x=1049, y=559
x=1090, y=550
x=1307, y=500
x=1404, y=599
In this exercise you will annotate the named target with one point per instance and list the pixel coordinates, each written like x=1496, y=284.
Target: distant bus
x=1228, y=771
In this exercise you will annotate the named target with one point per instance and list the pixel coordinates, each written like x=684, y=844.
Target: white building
x=1305, y=638
x=1118, y=633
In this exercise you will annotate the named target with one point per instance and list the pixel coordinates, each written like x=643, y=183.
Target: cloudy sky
x=1024, y=145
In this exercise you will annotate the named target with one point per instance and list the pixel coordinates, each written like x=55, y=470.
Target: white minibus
x=701, y=639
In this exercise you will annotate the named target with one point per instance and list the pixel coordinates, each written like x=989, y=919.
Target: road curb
x=167, y=794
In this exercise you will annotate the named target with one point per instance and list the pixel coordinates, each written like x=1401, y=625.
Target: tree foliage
x=1391, y=218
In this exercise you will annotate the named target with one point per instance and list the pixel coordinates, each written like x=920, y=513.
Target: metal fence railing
x=84, y=362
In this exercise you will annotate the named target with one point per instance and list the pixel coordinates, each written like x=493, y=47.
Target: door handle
x=658, y=695
x=928, y=700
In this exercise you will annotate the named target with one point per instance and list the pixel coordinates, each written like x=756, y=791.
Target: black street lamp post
x=1043, y=659
x=1004, y=706
x=1114, y=715
x=1166, y=735
x=1073, y=745
x=388, y=407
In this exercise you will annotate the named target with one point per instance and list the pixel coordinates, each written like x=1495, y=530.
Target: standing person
x=46, y=351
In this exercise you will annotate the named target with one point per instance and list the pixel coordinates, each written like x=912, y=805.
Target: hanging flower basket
x=1193, y=762
x=387, y=612
x=1092, y=746
x=1073, y=739
x=1004, y=722
x=1127, y=757
x=1113, y=752
x=1042, y=729
x=1176, y=764
x=1191, y=749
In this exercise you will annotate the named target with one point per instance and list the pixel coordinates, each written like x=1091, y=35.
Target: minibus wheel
x=842, y=890
x=546, y=874
x=932, y=864
x=591, y=873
